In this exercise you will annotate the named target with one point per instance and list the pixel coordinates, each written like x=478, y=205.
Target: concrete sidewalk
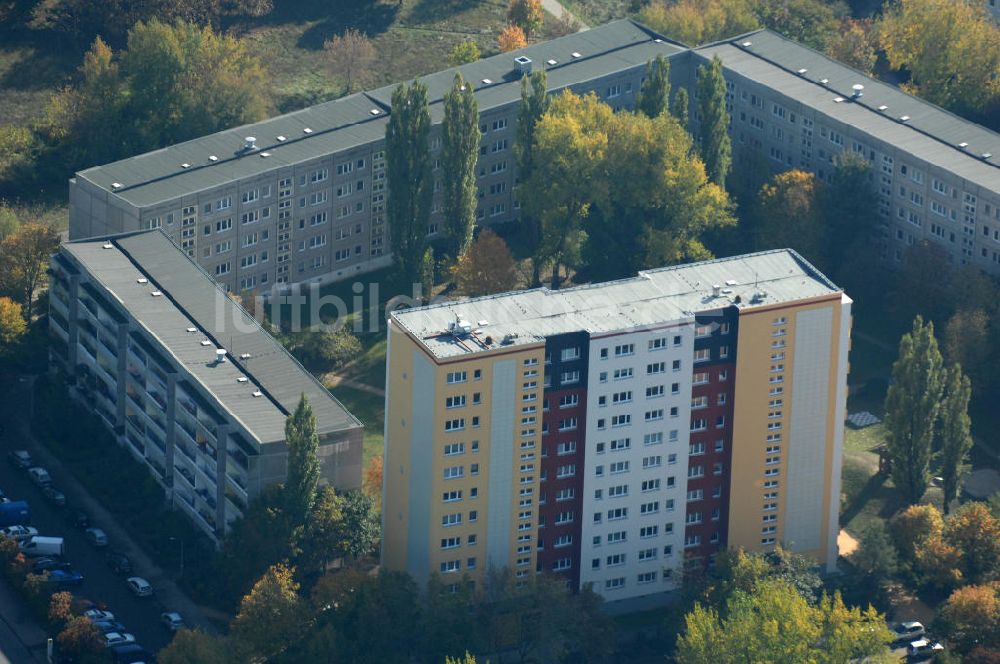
x=21, y=638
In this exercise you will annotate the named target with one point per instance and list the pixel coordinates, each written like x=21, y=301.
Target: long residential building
x=301, y=197
x=612, y=433
x=186, y=380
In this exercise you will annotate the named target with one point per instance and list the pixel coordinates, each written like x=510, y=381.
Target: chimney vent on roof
x=523, y=64
x=244, y=356
x=307, y=130
x=142, y=280
x=883, y=108
x=116, y=185
x=963, y=145
x=824, y=81
x=904, y=118
x=280, y=138
x=575, y=55
x=107, y=245
x=241, y=379
x=747, y=44
x=857, y=91
x=212, y=157
x=265, y=154
x=716, y=290
x=487, y=81
x=156, y=293
x=551, y=63
x=802, y=72
x=192, y=329
x=220, y=355
x=249, y=143
x=256, y=393
x=185, y=165
x=986, y=155
x=374, y=111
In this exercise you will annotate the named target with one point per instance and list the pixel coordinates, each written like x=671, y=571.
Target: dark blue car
x=110, y=626
x=65, y=577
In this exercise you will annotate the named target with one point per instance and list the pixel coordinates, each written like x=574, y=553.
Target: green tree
x=12, y=325
x=855, y=45
x=527, y=15
x=532, y=107
x=324, y=537
x=654, y=95
x=156, y=93
x=876, y=554
x=459, y=152
x=788, y=214
x=696, y=22
x=511, y=38
x=967, y=342
x=327, y=350
x=362, y=523
x=950, y=49
x=350, y=55
x=409, y=177
x=776, y=624
x=716, y=147
x=427, y=274
x=654, y=203
x=488, y=267
x=270, y=617
x=810, y=22
x=82, y=20
x=60, y=605
x=849, y=207
x=463, y=53
x=682, y=109
x=382, y=618
x=24, y=257
x=194, y=646
x=911, y=408
x=954, y=431
x=975, y=533
x=449, y=624
x=913, y=528
x=303, y=464
x=261, y=538
x=18, y=148
x=466, y=659
x=569, y=146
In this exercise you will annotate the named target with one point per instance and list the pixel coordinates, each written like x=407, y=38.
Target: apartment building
x=301, y=197
x=682, y=411
x=938, y=176
x=186, y=380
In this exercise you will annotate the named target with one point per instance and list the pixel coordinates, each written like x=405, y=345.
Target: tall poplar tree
x=956, y=438
x=409, y=181
x=716, y=147
x=682, y=109
x=460, y=150
x=654, y=96
x=303, y=464
x=911, y=408
x=534, y=104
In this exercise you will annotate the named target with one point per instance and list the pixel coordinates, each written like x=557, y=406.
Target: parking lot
x=141, y=616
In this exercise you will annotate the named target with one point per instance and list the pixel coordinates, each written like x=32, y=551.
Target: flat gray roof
x=930, y=133
x=190, y=299
x=652, y=298
x=159, y=176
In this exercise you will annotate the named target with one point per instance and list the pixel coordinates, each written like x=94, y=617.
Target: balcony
x=138, y=424
x=110, y=348
x=235, y=504
x=156, y=440
x=136, y=374
x=185, y=451
x=156, y=396
x=188, y=430
x=136, y=353
x=206, y=496
x=239, y=457
x=239, y=482
x=208, y=472
x=188, y=477
x=136, y=445
x=136, y=399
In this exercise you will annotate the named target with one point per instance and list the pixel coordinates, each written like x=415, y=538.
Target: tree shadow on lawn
x=872, y=487
x=432, y=11
x=371, y=18
x=46, y=65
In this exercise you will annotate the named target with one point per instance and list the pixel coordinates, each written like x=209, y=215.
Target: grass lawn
x=29, y=74
x=370, y=409
x=596, y=12
x=411, y=37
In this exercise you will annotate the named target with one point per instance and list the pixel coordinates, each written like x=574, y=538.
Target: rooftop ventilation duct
x=523, y=64
x=249, y=143
x=857, y=91
x=220, y=355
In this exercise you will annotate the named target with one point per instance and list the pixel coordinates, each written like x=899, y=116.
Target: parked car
x=117, y=639
x=65, y=577
x=172, y=620
x=118, y=562
x=54, y=495
x=98, y=614
x=39, y=476
x=19, y=532
x=107, y=626
x=130, y=653
x=20, y=459
x=923, y=649
x=96, y=536
x=79, y=519
x=49, y=564
x=14, y=513
x=139, y=586
x=907, y=632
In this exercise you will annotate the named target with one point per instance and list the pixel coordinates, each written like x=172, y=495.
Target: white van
x=40, y=545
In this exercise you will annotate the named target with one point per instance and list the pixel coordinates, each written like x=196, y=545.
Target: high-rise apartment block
x=187, y=381
x=301, y=197
x=611, y=433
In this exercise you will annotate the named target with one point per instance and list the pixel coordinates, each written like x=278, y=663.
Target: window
x=569, y=400
x=621, y=444
x=449, y=520
x=618, y=513
x=624, y=350
x=621, y=420
x=569, y=377
x=451, y=496
x=568, y=470
x=623, y=374
x=566, y=448
x=649, y=531
x=455, y=425
x=653, y=438
x=570, y=354
x=654, y=415
x=456, y=377
x=650, y=508
x=621, y=397
x=651, y=485
x=568, y=424
x=618, y=467
x=454, y=472
x=652, y=461
x=702, y=355
x=454, y=449
x=657, y=344
x=656, y=368
x=618, y=491
x=450, y=566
